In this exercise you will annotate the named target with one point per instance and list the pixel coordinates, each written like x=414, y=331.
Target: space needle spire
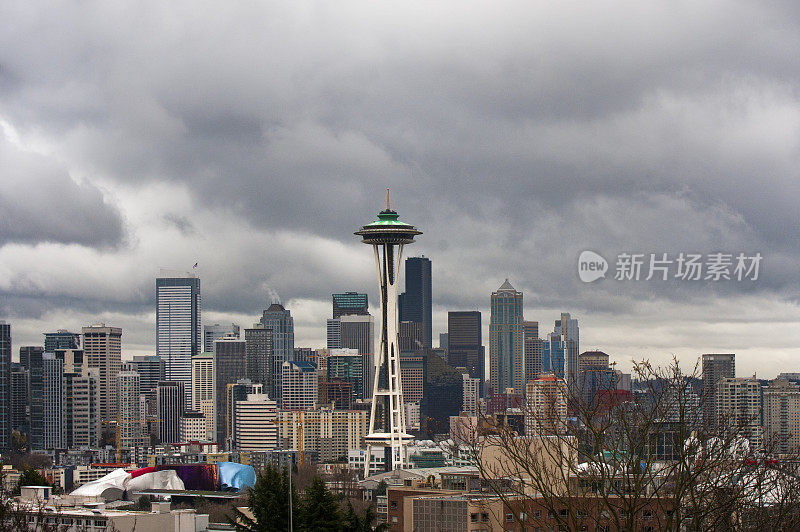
x=387, y=421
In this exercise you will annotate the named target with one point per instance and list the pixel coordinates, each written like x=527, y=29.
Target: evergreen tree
x=320, y=510
x=30, y=477
x=269, y=503
x=354, y=522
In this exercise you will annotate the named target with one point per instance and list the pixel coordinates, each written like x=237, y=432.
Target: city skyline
x=517, y=137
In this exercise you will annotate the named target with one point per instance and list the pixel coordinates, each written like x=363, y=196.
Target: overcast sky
x=254, y=137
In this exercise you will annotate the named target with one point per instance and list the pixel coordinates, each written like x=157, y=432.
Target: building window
x=393, y=505
x=473, y=518
x=509, y=517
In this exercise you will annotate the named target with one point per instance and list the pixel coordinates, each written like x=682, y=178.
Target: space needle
x=387, y=421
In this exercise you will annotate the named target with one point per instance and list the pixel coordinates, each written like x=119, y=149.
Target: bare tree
x=645, y=460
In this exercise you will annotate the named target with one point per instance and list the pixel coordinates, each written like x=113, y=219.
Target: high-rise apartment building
x=258, y=353
x=170, y=396
x=415, y=302
x=212, y=332
x=280, y=321
x=782, y=417
x=5, y=385
x=716, y=366
x=739, y=403
x=61, y=339
x=300, y=385
x=506, y=341
x=130, y=422
x=465, y=344
x=82, y=398
x=229, y=367
x=256, y=429
x=178, y=328
x=546, y=406
x=350, y=303
x=102, y=347
x=533, y=350
x=470, y=400
x=236, y=392
x=567, y=327
x=54, y=432
x=203, y=381
x=328, y=433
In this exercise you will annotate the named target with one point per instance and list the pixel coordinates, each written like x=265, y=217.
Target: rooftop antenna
x=388, y=202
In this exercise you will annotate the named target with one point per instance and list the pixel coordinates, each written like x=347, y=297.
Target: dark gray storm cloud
x=253, y=138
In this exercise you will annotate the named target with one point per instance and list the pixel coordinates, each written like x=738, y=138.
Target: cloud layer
x=255, y=139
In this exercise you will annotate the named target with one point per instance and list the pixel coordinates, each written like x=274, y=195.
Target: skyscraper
x=347, y=365
x=387, y=425
x=596, y=375
x=506, y=341
x=27, y=352
x=415, y=302
x=554, y=350
x=465, y=344
x=300, y=385
x=102, y=347
x=53, y=401
x=739, y=408
x=258, y=353
x=81, y=404
x=178, y=326
x=229, y=367
x=350, y=303
x=782, y=416
x=61, y=339
x=170, y=397
x=5, y=385
x=130, y=423
x=280, y=321
x=546, y=406
x=567, y=327
x=212, y=332
x=716, y=367
x=203, y=391
x=19, y=398
x=236, y=392
x=151, y=370
x=255, y=427
x=411, y=337
x=533, y=350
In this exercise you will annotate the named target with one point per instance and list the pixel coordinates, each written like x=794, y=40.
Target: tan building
x=203, y=391
x=546, y=406
x=739, y=408
x=782, y=417
x=255, y=427
x=102, y=347
x=331, y=433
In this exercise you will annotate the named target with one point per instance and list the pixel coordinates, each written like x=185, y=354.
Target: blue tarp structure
x=236, y=477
